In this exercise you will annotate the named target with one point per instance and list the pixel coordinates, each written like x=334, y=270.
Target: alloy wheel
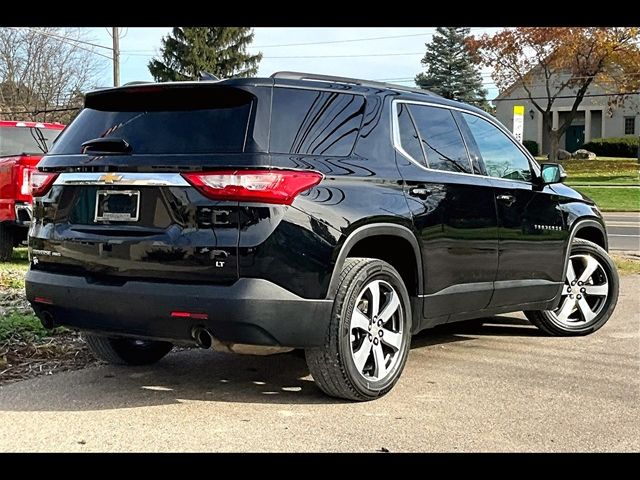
x=584, y=294
x=376, y=330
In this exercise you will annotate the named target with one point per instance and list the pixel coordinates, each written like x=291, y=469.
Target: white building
x=595, y=118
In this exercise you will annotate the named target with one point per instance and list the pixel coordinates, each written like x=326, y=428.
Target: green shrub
x=532, y=146
x=614, y=147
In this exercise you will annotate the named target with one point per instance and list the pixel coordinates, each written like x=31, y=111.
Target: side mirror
x=552, y=173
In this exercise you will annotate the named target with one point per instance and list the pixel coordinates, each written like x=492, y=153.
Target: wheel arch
x=587, y=229
x=593, y=231
x=370, y=232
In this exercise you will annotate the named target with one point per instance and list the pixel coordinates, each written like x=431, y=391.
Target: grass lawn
x=626, y=265
x=12, y=273
x=588, y=176
x=612, y=199
x=26, y=326
x=17, y=319
x=27, y=349
x=603, y=170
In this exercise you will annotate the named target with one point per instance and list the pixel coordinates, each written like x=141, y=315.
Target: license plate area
x=117, y=206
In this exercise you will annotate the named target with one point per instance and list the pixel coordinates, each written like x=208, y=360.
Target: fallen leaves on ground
x=21, y=359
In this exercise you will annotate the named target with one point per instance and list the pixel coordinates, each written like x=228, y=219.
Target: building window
x=629, y=125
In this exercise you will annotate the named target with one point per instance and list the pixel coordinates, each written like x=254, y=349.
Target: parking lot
x=496, y=385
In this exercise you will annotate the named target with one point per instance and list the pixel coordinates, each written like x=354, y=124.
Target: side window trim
x=477, y=163
x=535, y=167
x=415, y=127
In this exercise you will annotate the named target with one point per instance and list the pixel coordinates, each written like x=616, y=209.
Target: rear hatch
x=120, y=207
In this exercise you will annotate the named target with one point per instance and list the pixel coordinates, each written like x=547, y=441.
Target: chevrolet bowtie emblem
x=110, y=178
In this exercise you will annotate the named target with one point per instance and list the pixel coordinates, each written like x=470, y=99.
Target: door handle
x=420, y=192
x=506, y=198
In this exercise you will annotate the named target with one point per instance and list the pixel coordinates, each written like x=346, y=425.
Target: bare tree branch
x=44, y=71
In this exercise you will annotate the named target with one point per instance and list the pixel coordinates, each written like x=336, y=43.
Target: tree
x=450, y=69
x=221, y=51
x=564, y=61
x=42, y=71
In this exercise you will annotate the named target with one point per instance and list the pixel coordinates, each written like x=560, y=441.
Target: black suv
x=335, y=215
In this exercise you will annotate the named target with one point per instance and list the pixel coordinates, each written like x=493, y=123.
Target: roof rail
x=353, y=81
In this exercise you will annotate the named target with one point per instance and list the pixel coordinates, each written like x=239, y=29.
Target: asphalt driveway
x=497, y=386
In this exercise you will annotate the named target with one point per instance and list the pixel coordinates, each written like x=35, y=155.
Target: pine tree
x=450, y=70
x=221, y=51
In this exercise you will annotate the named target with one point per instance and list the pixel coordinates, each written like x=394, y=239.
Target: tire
x=581, y=312
x=126, y=351
x=6, y=242
x=382, y=355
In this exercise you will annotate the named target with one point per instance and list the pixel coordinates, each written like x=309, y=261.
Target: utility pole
x=116, y=56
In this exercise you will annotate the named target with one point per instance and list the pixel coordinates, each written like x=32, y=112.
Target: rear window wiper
x=106, y=146
x=41, y=142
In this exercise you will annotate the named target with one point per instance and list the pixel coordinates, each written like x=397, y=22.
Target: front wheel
x=367, y=341
x=126, y=351
x=589, y=294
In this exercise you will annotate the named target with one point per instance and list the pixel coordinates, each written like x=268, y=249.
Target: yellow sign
x=518, y=121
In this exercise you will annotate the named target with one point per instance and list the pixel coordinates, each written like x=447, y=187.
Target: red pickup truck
x=22, y=145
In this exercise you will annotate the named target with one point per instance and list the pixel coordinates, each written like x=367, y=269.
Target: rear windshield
x=161, y=122
x=26, y=140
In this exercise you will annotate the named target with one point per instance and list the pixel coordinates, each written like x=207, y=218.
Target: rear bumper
x=251, y=311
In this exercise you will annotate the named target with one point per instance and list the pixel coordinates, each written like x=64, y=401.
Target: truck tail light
x=25, y=185
x=264, y=186
x=41, y=182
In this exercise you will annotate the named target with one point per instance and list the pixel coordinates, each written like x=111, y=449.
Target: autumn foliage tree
x=566, y=61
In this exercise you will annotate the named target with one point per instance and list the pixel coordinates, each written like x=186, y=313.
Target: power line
x=350, y=40
x=569, y=96
x=61, y=37
x=37, y=112
x=328, y=42
x=355, y=55
x=66, y=40
x=349, y=56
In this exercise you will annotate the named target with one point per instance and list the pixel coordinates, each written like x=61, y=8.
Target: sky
x=328, y=51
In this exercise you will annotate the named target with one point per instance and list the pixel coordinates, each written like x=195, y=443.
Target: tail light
x=41, y=182
x=264, y=186
x=25, y=185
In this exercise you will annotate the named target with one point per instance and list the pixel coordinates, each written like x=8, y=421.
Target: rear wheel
x=6, y=242
x=367, y=342
x=126, y=351
x=589, y=294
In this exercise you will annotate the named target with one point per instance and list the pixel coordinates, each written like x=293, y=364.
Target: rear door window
x=313, y=122
x=441, y=139
x=168, y=122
